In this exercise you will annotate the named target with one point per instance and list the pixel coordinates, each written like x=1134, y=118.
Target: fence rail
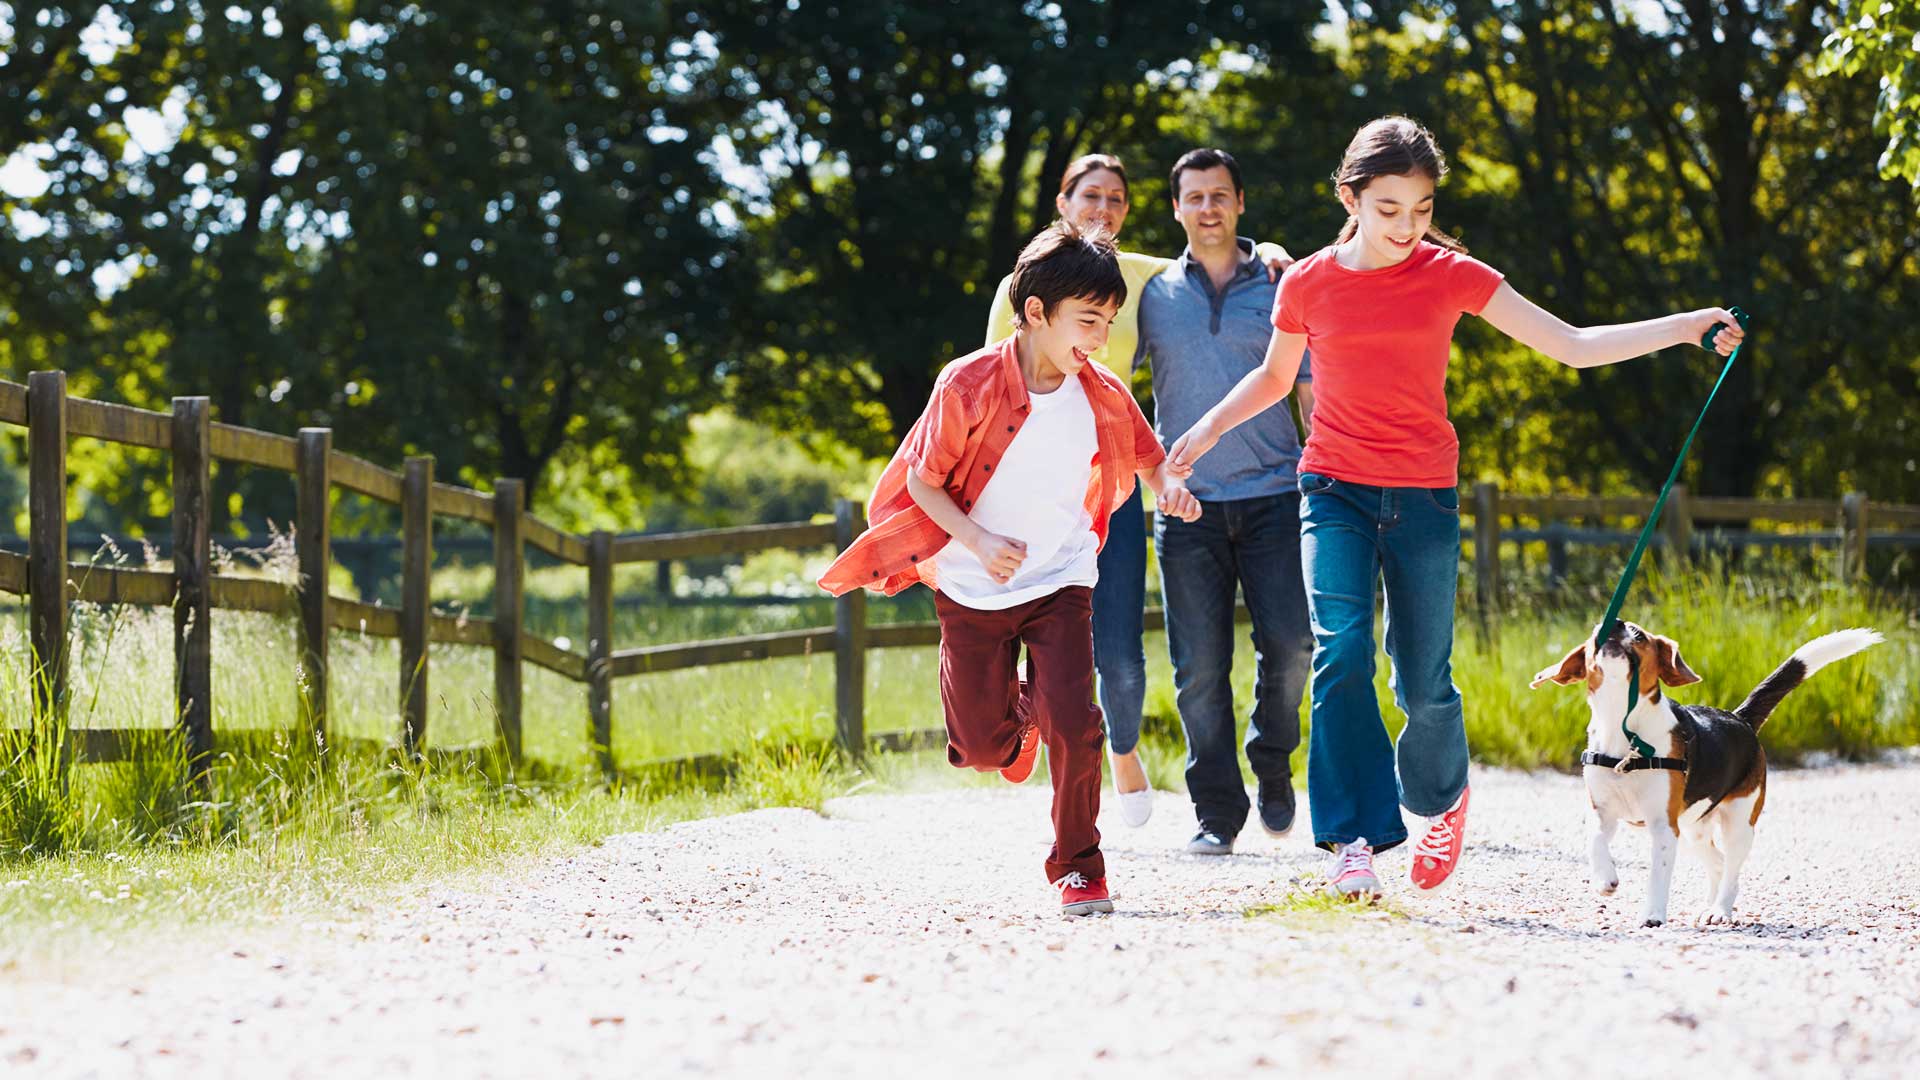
x=50, y=582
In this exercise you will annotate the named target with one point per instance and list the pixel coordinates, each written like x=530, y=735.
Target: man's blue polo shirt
x=1201, y=343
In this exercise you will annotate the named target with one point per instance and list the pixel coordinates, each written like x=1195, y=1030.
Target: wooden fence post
x=1556, y=553
x=1677, y=523
x=1853, y=536
x=850, y=640
x=416, y=599
x=509, y=602
x=1486, y=545
x=47, y=547
x=193, y=580
x=313, y=548
x=600, y=647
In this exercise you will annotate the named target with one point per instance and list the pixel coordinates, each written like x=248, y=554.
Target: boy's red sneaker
x=1079, y=896
x=1022, y=766
x=1438, y=852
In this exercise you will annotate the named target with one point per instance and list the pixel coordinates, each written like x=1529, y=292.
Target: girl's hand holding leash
x=1701, y=323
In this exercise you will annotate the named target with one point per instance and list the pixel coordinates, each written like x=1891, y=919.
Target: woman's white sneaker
x=1136, y=807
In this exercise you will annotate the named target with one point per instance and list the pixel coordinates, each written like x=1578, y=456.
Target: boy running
x=1023, y=452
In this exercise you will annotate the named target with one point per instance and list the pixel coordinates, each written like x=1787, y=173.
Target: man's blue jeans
x=1119, y=609
x=1253, y=544
x=1351, y=536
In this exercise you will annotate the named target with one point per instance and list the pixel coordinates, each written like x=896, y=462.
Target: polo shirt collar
x=1248, y=261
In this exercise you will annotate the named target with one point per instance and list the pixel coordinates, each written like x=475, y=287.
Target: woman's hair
x=1066, y=262
x=1392, y=146
x=1081, y=166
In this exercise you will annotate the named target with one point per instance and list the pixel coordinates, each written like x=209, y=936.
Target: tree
x=1881, y=38
x=1643, y=161
x=897, y=156
x=471, y=229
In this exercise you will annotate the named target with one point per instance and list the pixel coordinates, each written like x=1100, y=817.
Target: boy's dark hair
x=1204, y=158
x=1066, y=262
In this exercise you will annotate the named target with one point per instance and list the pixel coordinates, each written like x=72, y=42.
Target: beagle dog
x=1689, y=773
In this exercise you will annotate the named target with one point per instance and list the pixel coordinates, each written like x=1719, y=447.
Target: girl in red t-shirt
x=1379, y=482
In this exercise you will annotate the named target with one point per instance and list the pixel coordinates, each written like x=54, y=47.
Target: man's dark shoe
x=1209, y=842
x=1276, y=806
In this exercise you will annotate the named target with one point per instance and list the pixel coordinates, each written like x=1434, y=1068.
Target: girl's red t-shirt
x=1380, y=341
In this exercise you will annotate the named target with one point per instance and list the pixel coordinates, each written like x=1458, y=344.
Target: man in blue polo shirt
x=1205, y=323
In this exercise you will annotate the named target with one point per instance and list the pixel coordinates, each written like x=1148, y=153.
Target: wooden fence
x=50, y=583
x=1850, y=525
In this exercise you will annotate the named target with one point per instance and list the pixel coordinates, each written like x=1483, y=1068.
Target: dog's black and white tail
x=1805, y=660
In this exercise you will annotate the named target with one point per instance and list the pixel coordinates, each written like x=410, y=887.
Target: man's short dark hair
x=1066, y=262
x=1204, y=158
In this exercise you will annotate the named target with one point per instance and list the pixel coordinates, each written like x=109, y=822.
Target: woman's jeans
x=1351, y=535
x=1119, y=612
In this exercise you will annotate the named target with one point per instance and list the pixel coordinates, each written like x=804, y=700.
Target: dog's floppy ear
x=1572, y=668
x=1671, y=668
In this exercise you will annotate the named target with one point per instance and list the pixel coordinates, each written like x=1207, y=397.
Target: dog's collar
x=1634, y=764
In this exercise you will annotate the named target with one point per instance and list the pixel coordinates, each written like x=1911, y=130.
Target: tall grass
x=282, y=824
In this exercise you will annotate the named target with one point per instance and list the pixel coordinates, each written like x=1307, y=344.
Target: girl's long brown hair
x=1392, y=146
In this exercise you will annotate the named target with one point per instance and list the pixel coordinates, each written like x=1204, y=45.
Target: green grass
x=1312, y=908
x=97, y=851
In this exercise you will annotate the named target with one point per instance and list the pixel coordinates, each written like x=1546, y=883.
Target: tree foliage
x=472, y=229
x=1881, y=40
x=537, y=240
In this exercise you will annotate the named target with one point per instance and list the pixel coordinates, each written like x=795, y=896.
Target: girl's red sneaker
x=1438, y=853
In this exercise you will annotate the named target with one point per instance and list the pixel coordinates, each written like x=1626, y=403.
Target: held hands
x=1190, y=447
x=1698, y=323
x=1001, y=555
x=1174, y=500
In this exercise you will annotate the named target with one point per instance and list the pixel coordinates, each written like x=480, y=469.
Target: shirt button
x=988, y=468
x=913, y=558
x=1009, y=427
x=876, y=573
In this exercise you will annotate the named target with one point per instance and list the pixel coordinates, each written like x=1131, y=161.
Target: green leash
x=1641, y=746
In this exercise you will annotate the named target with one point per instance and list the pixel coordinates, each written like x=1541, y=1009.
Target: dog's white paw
x=1715, y=916
x=1606, y=888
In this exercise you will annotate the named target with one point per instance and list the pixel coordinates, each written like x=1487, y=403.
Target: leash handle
x=1706, y=339
x=1646, y=531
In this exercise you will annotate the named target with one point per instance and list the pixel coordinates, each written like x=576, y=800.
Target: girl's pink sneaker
x=1352, y=875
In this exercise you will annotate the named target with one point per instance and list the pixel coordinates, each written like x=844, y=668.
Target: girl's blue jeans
x=1353, y=535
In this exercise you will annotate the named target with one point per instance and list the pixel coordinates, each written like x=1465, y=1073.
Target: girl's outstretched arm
x=1593, y=346
x=1261, y=389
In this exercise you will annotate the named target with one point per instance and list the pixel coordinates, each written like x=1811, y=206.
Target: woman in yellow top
x=1093, y=191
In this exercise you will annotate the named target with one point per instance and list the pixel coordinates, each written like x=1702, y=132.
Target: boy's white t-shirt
x=1037, y=496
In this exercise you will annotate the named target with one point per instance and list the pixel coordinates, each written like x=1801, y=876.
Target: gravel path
x=914, y=934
